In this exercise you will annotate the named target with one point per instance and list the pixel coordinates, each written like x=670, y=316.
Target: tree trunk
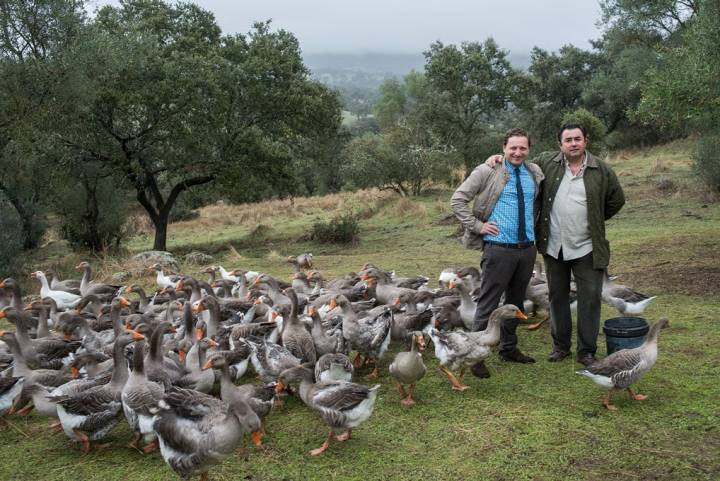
x=158, y=208
x=161, y=225
x=30, y=240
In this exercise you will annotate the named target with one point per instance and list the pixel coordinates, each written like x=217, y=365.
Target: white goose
x=227, y=275
x=64, y=300
x=467, y=305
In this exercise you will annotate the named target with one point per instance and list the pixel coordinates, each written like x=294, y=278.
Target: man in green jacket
x=580, y=192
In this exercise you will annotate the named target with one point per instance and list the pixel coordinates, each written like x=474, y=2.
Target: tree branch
x=184, y=185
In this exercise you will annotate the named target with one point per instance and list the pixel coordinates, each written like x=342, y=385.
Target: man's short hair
x=571, y=126
x=516, y=133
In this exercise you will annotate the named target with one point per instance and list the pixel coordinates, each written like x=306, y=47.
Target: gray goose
x=140, y=398
x=342, y=405
x=10, y=389
x=48, y=352
x=46, y=377
x=16, y=294
x=259, y=398
x=105, y=292
x=70, y=285
x=333, y=367
x=324, y=343
x=458, y=349
x=626, y=300
x=623, y=368
x=369, y=336
x=197, y=378
x=295, y=337
x=91, y=414
x=197, y=431
x=408, y=367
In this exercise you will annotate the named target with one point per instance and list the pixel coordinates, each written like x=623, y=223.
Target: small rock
x=197, y=257
x=121, y=276
x=164, y=258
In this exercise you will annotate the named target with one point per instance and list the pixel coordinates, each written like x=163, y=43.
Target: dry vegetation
x=220, y=214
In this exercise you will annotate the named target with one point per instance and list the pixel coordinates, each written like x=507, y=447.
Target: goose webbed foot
x=636, y=396
x=607, y=402
x=135, y=440
x=538, y=324
x=24, y=411
x=153, y=446
x=456, y=384
x=55, y=426
x=408, y=397
x=84, y=440
x=323, y=447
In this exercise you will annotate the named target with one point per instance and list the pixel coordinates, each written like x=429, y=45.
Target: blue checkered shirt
x=505, y=212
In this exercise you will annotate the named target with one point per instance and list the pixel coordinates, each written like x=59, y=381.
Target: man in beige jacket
x=501, y=223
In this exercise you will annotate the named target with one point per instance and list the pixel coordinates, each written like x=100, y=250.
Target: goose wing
x=622, y=367
x=339, y=396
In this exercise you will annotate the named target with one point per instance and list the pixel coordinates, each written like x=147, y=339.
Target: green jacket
x=605, y=198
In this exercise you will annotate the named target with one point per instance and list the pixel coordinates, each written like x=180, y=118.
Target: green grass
x=537, y=422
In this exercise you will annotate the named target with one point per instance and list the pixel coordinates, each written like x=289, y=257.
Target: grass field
x=526, y=422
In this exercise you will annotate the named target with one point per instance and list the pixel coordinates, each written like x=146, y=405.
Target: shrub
x=341, y=229
x=92, y=212
x=707, y=161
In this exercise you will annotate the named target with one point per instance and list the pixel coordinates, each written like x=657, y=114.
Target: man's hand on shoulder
x=493, y=160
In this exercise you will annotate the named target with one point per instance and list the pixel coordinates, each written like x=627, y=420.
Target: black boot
x=479, y=370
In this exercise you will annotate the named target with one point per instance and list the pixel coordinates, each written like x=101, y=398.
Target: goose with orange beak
x=197, y=431
x=458, y=349
x=342, y=405
x=247, y=392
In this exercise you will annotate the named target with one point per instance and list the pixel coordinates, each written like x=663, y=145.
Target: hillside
x=538, y=422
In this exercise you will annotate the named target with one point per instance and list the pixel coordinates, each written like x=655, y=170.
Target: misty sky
x=405, y=26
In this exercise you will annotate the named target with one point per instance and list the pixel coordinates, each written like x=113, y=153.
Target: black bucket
x=625, y=333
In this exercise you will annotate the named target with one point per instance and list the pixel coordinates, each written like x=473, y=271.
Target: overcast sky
x=407, y=26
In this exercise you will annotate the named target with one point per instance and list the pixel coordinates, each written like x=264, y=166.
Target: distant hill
x=397, y=64
x=358, y=75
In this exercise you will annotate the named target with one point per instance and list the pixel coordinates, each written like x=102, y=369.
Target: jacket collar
x=592, y=161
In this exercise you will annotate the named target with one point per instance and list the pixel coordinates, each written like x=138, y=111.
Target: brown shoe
x=585, y=359
x=557, y=356
x=516, y=356
x=479, y=370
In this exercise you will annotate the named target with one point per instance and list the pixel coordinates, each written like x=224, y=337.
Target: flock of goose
x=87, y=353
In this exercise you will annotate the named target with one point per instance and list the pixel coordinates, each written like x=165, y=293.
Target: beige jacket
x=485, y=185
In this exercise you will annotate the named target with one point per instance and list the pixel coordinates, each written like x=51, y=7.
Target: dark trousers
x=504, y=270
x=589, y=290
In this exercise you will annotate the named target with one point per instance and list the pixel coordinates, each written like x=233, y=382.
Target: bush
x=707, y=161
x=341, y=229
x=11, y=241
x=92, y=213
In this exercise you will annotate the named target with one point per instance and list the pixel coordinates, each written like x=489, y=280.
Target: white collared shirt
x=569, y=227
